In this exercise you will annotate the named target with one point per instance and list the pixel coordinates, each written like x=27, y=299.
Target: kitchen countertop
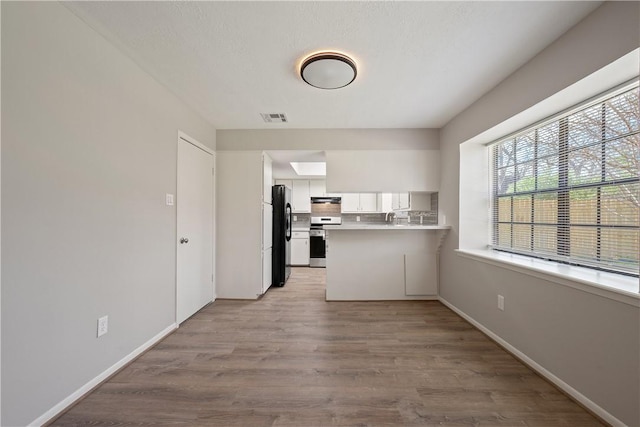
x=386, y=227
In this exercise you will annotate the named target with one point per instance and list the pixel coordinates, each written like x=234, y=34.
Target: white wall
x=239, y=224
x=239, y=180
x=383, y=170
x=88, y=152
x=590, y=342
x=328, y=139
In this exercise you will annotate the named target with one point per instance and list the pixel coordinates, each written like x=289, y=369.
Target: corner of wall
x=538, y=328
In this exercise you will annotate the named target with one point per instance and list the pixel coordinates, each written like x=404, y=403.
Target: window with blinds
x=568, y=190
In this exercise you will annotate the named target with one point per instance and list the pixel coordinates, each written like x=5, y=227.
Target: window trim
x=609, y=285
x=589, y=102
x=471, y=208
x=562, y=190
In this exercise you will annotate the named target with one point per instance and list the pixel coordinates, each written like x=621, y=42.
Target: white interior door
x=194, y=285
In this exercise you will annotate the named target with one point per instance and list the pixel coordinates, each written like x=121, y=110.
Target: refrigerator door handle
x=288, y=222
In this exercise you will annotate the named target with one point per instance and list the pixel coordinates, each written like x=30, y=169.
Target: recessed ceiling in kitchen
x=310, y=168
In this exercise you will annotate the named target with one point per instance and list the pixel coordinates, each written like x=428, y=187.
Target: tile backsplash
x=434, y=202
x=325, y=209
x=301, y=220
x=365, y=218
x=430, y=217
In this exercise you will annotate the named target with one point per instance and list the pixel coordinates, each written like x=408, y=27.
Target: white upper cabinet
x=368, y=202
x=350, y=202
x=386, y=202
x=400, y=201
x=303, y=189
x=359, y=202
x=395, y=201
x=317, y=188
x=267, y=178
x=300, y=196
x=413, y=201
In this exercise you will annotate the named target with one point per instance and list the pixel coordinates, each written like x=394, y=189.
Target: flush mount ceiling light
x=328, y=70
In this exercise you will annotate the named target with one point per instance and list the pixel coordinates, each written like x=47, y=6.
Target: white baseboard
x=78, y=394
x=586, y=402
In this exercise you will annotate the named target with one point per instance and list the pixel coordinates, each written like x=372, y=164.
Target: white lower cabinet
x=300, y=248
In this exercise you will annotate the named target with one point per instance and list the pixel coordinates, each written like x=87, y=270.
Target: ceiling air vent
x=274, y=117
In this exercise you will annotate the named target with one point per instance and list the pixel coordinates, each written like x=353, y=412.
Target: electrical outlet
x=169, y=199
x=358, y=218
x=500, y=302
x=103, y=325
x=295, y=218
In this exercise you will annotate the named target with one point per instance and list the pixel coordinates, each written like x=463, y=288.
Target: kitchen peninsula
x=383, y=261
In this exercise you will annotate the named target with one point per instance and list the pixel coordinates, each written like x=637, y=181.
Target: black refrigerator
x=281, y=255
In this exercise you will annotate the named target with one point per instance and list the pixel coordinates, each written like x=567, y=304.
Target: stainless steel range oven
x=317, y=247
x=324, y=210
x=317, y=241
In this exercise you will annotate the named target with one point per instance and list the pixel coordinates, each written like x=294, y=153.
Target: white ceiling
x=420, y=63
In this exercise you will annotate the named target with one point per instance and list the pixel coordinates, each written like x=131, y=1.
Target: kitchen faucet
x=391, y=215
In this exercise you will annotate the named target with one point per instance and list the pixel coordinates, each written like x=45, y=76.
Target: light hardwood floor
x=293, y=359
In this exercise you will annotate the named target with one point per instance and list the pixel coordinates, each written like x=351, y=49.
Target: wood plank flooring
x=292, y=359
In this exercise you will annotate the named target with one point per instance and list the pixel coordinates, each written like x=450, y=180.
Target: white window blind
x=568, y=189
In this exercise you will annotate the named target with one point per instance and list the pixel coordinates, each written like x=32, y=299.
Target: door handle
x=184, y=240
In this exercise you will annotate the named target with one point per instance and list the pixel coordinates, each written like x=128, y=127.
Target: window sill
x=609, y=285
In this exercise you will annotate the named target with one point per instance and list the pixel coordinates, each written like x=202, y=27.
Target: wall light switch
x=169, y=199
x=500, y=302
x=358, y=218
x=295, y=217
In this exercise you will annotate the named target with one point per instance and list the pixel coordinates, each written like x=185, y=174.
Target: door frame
x=186, y=138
